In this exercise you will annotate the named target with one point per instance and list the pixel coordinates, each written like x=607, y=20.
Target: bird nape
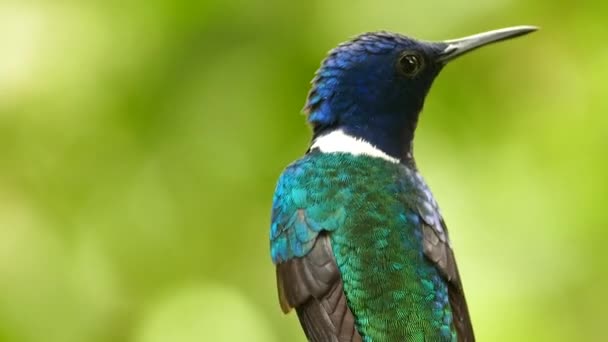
x=361, y=249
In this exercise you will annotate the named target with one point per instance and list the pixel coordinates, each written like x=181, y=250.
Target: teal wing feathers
x=308, y=278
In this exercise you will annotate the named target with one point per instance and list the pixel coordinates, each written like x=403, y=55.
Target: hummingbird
x=362, y=252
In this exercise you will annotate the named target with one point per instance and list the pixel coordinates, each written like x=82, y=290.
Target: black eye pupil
x=410, y=64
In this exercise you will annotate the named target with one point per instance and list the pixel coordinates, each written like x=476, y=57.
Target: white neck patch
x=338, y=141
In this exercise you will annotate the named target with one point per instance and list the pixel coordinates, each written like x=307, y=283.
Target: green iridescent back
x=373, y=212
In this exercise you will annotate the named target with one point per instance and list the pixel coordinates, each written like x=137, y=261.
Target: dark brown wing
x=312, y=285
x=439, y=251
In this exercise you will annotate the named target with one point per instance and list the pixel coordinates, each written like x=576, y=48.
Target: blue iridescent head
x=373, y=87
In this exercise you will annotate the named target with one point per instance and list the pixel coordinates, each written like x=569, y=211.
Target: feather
x=312, y=285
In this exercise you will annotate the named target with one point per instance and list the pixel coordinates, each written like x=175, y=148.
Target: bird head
x=373, y=87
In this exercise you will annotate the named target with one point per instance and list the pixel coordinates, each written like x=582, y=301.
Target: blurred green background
x=140, y=143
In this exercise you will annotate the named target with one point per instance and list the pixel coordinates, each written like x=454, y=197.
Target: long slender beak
x=458, y=47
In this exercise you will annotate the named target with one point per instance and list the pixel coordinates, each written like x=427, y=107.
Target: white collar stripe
x=338, y=141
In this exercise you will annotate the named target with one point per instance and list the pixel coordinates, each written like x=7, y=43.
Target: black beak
x=458, y=47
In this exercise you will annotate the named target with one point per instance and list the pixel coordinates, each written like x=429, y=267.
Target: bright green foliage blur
x=140, y=143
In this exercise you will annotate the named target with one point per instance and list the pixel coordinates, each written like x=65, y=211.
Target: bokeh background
x=140, y=143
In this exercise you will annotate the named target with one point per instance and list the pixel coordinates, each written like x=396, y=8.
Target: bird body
x=361, y=248
x=375, y=231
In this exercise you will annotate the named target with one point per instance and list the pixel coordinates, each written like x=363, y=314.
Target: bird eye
x=410, y=64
